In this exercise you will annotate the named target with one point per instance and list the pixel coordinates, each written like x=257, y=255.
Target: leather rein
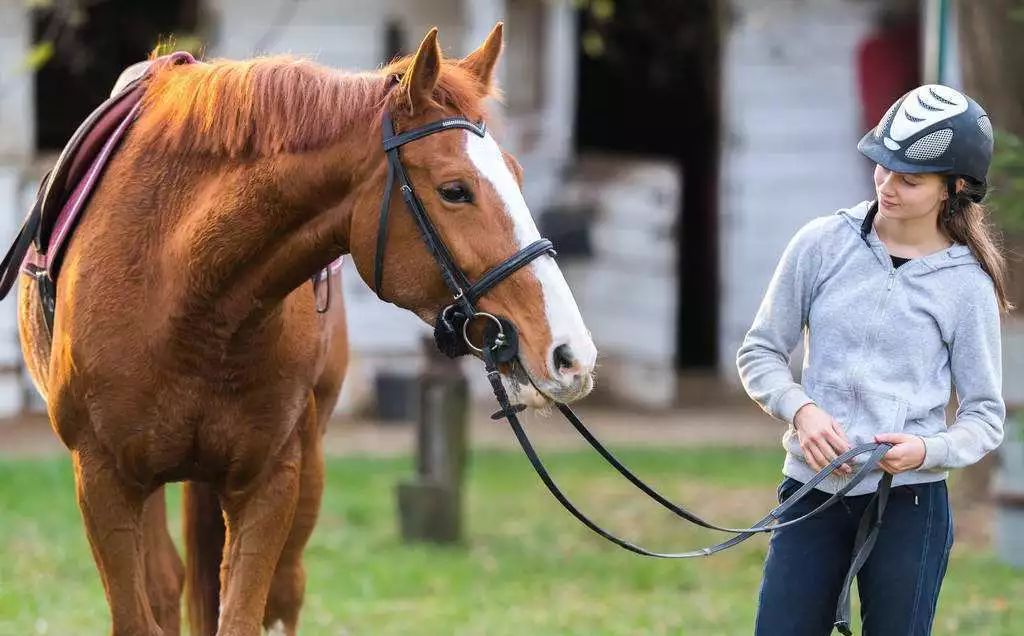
x=500, y=345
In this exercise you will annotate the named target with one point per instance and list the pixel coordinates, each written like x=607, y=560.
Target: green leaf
x=603, y=9
x=1007, y=180
x=593, y=44
x=38, y=56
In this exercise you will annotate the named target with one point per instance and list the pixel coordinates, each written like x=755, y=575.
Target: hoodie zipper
x=873, y=328
x=885, y=301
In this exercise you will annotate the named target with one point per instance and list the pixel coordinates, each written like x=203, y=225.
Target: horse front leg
x=259, y=520
x=288, y=586
x=112, y=511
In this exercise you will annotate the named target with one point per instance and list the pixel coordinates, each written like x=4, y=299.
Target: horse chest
x=186, y=429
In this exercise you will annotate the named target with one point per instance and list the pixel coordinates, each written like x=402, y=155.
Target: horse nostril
x=563, y=358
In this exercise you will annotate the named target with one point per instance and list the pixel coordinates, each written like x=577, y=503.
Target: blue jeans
x=898, y=585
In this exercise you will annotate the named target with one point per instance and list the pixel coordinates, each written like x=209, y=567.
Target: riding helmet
x=933, y=128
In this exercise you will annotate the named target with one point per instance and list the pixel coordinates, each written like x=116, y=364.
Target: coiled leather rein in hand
x=866, y=535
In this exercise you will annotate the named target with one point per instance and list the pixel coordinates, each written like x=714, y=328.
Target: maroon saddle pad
x=66, y=188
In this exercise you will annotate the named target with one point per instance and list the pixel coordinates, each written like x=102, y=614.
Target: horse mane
x=278, y=104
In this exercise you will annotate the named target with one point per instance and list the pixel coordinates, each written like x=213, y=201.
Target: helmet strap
x=951, y=191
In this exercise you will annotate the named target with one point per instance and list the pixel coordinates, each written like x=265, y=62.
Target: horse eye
x=455, y=192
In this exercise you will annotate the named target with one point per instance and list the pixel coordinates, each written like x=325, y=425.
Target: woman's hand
x=907, y=452
x=821, y=437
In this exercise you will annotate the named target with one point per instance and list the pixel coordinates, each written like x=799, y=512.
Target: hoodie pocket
x=877, y=413
x=861, y=414
x=836, y=401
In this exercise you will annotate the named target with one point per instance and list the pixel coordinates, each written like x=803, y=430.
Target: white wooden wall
x=791, y=125
x=341, y=33
x=17, y=128
x=16, y=147
x=627, y=289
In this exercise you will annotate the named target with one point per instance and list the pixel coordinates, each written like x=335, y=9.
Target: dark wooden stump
x=430, y=505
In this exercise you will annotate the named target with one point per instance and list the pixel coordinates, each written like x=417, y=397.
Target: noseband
x=451, y=328
x=500, y=345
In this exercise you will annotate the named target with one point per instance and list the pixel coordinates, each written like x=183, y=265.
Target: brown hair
x=966, y=221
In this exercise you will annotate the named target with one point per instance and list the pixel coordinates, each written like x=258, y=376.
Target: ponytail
x=965, y=220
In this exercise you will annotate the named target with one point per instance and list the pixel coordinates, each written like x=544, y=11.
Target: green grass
x=526, y=566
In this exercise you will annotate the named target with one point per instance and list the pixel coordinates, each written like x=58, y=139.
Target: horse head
x=470, y=190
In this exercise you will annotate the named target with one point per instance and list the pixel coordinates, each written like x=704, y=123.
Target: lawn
x=526, y=567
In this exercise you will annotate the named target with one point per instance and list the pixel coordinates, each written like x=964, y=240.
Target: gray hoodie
x=882, y=347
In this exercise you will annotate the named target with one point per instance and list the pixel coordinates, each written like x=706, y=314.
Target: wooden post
x=430, y=506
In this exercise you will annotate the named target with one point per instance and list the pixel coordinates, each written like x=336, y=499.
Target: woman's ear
x=958, y=186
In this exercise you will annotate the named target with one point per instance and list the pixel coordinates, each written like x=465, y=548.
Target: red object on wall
x=888, y=65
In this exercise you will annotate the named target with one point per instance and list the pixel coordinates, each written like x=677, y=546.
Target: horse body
x=163, y=371
x=187, y=344
x=141, y=384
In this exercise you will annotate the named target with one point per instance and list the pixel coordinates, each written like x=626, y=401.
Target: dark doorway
x=92, y=43
x=649, y=85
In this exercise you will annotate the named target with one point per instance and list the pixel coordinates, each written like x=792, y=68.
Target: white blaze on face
x=564, y=319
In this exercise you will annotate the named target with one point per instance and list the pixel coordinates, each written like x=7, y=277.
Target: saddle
x=39, y=247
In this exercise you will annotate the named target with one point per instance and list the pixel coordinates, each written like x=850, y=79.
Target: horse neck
x=276, y=222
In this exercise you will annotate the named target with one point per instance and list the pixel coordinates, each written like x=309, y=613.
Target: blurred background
x=671, y=148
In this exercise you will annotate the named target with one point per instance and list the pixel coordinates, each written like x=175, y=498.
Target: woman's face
x=908, y=196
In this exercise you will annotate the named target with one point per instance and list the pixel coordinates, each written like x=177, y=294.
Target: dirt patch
x=28, y=436
x=31, y=435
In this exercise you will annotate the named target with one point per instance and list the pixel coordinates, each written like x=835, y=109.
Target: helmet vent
x=884, y=124
x=930, y=146
x=985, y=124
x=947, y=99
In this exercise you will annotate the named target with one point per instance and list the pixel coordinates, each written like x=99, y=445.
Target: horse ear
x=482, y=61
x=418, y=83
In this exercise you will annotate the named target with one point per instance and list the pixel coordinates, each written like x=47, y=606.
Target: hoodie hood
x=953, y=256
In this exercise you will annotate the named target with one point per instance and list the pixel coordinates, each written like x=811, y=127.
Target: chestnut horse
x=187, y=345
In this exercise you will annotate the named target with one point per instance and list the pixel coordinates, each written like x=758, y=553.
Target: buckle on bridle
x=499, y=340
x=499, y=337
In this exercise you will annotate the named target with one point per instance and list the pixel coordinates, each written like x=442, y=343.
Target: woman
x=900, y=298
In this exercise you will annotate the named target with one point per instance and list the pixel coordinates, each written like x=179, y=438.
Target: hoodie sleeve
x=763, y=358
x=976, y=365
